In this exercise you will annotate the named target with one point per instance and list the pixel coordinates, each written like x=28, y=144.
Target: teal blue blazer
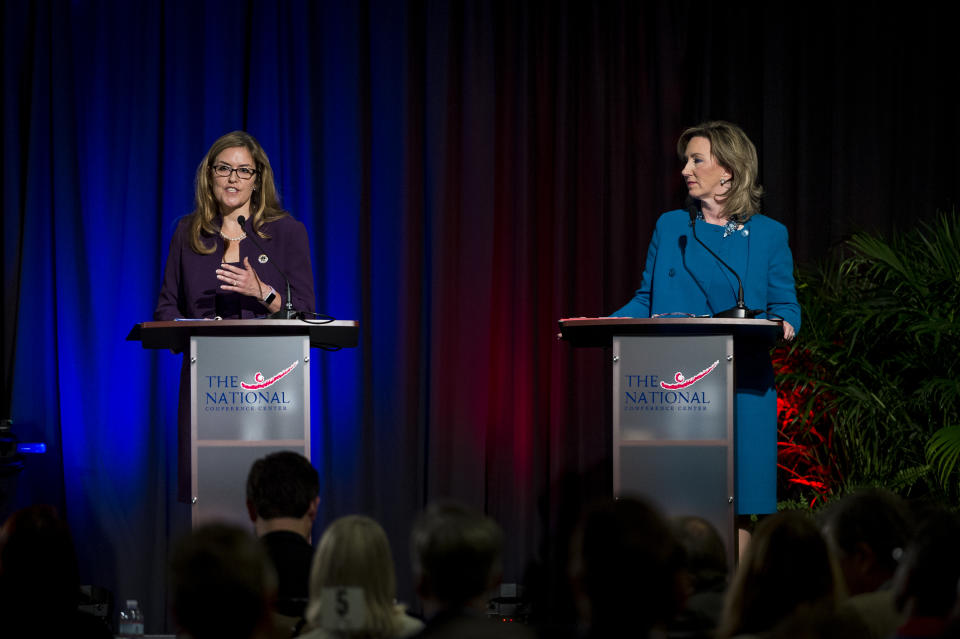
x=681, y=277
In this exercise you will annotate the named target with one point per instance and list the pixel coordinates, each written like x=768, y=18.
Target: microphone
x=740, y=311
x=287, y=312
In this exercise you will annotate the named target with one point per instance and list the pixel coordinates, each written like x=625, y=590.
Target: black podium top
x=176, y=335
x=598, y=331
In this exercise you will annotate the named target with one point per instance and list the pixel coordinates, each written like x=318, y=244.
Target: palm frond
x=943, y=451
x=875, y=371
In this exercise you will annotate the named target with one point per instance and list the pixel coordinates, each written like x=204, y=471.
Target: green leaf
x=875, y=370
x=943, y=451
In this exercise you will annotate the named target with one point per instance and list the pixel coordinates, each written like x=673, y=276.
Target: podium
x=673, y=408
x=249, y=396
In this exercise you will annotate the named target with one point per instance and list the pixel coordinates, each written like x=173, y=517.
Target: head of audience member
x=928, y=577
x=283, y=493
x=706, y=557
x=456, y=554
x=38, y=564
x=39, y=579
x=824, y=621
x=786, y=566
x=354, y=552
x=626, y=568
x=222, y=584
x=866, y=531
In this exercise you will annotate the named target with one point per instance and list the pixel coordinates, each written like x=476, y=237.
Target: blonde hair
x=734, y=151
x=264, y=201
x=354, y=551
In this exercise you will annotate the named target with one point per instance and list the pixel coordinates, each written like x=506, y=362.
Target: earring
x=723, y=181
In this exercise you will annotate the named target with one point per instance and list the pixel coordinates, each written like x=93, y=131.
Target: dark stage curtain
x=469, y=172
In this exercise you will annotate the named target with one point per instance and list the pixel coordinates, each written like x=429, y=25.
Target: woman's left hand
x=240, y=280
x=788, y=332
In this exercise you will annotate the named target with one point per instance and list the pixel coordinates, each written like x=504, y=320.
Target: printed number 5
x=343, y=606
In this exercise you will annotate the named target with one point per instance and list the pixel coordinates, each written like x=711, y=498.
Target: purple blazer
x=191, y=288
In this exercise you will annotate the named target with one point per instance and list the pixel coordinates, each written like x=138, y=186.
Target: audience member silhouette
x=222, y=584
x=282, y=501
x=705, y=576
x=39, y=579
x=354, y=552
x=867, y=530
x=927, y=579
x=626, y=568
x=953, y=622
x=456, y=563
x=820, y=621
x=786, y=567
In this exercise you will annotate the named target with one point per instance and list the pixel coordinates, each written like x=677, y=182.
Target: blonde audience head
x=354, y=552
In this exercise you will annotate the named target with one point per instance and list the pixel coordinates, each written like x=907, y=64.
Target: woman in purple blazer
x=213, y=270
x=680, y=276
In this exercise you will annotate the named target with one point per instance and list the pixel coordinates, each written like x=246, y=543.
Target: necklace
x=233, y=239
x=729, y=228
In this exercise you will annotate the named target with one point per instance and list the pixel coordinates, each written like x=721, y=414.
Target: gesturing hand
x=240, y=280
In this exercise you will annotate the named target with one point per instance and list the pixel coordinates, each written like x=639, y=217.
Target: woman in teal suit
x=681, y=277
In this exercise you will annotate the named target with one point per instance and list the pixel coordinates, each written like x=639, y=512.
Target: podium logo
x=260, y=383
x=682, y=382
x=230, y=393
x=650, y=393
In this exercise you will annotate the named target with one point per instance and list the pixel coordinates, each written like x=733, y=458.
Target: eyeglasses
x=224, y=170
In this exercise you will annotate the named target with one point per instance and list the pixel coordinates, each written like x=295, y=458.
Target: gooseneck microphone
x=740, y=311
x=287, y=311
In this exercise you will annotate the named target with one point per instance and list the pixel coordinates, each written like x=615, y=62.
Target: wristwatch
x=268, y=300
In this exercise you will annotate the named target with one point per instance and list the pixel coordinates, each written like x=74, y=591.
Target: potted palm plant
x=871, y=387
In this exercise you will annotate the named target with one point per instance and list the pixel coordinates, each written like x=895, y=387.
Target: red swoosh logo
x=262, y=383
x=682, y=382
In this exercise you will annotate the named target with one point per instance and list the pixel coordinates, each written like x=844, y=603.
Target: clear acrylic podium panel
x=673, y=438
x=221, y=487
x=249, y=397
x=690, y=480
